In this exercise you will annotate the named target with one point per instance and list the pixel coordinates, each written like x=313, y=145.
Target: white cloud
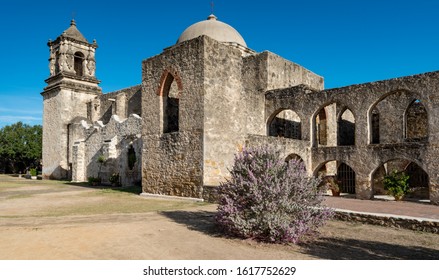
x=5, y=120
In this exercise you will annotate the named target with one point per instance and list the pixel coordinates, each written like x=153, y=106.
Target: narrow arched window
x=375, y=122
x=170, y=104
x=131, y=155
x=321, y=126
x=79, y=63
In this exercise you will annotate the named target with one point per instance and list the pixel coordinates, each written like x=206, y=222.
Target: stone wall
x=122, y=103
x=61, y=106
x=388, y=221
x=172, y=163
x=391, y=98
x=230, y=112
x=112, y=141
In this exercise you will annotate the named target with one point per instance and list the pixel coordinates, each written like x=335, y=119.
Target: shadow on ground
x=202, y=221
x=323, y=247
x=354, y=249
x=129, y=189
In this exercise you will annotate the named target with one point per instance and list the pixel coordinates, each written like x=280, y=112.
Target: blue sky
x=346, y=42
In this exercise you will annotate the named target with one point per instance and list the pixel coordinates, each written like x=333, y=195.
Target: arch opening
x=416, y=122
x=322, y=128
x=375, y=123
x=131, y=156
x=418, y=179
x=346, y=129
x=170, y=105
x=324, y=125
x=340, y=173
x=285, y=124
x=79, y=63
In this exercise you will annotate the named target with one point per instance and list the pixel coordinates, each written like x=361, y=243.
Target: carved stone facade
x=203, y=99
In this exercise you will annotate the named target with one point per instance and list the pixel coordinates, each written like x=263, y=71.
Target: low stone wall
x=388, y=221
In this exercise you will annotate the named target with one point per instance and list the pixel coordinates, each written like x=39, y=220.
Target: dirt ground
x=57, y=220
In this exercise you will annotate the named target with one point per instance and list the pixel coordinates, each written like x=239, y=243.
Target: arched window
x=346, y=129
x=416, y=128
x=321, y=126
x=79, y=63
x=375, y=122
x=131, y=155
x=286, y=124
x=170, y=104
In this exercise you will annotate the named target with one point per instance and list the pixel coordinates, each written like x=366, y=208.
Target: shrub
x=270, y=200
x=93, y=181
x=397, y=184
x=33, y=172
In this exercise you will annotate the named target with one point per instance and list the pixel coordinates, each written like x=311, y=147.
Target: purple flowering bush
x=270, y=200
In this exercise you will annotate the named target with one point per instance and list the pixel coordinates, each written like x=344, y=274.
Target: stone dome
x=213, y=28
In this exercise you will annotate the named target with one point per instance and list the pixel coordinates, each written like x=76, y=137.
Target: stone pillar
x=434, y=192
x=78, y=162
x=121, y=101
x=363, y=187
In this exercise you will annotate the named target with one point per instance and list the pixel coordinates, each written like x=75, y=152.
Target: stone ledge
x=162, y=196
x=406, y=222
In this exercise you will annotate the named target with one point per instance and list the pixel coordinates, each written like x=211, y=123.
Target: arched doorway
x=342, y=173
x=418, y=178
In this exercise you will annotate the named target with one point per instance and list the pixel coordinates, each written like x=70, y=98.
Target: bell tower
x=71, y=85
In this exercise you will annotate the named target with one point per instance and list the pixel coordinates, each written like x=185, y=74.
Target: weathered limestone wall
x=234, y=100
x=173, y=162
x=112, y=141
x=391, y=98
x=286, y=147
x=60, y=107
x=230, y=112
x=122, y=103
x=267, y=71
x=282, y=73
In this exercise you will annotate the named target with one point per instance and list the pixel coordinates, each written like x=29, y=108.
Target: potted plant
x=33, y=173
x=333, y=185
x=396, y=183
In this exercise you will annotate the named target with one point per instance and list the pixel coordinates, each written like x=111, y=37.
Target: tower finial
x=73, y=22
x=212, y=6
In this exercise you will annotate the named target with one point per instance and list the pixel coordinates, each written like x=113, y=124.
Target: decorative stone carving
x=52, y=62
x=91, y=67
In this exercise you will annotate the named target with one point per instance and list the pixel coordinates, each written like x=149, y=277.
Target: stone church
x=203, y=99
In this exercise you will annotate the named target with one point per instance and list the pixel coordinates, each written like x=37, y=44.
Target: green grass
x=19, y=196
x=85, y=200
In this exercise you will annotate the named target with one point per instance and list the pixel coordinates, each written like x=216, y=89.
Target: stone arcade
x=204, y=98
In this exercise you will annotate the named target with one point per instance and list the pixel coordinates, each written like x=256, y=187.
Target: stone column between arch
x=434, y=191
x=363, y=186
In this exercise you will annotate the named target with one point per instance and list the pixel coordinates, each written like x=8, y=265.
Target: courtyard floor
x=59, y=220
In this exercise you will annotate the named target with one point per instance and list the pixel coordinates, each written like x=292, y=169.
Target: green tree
x=20, y=147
